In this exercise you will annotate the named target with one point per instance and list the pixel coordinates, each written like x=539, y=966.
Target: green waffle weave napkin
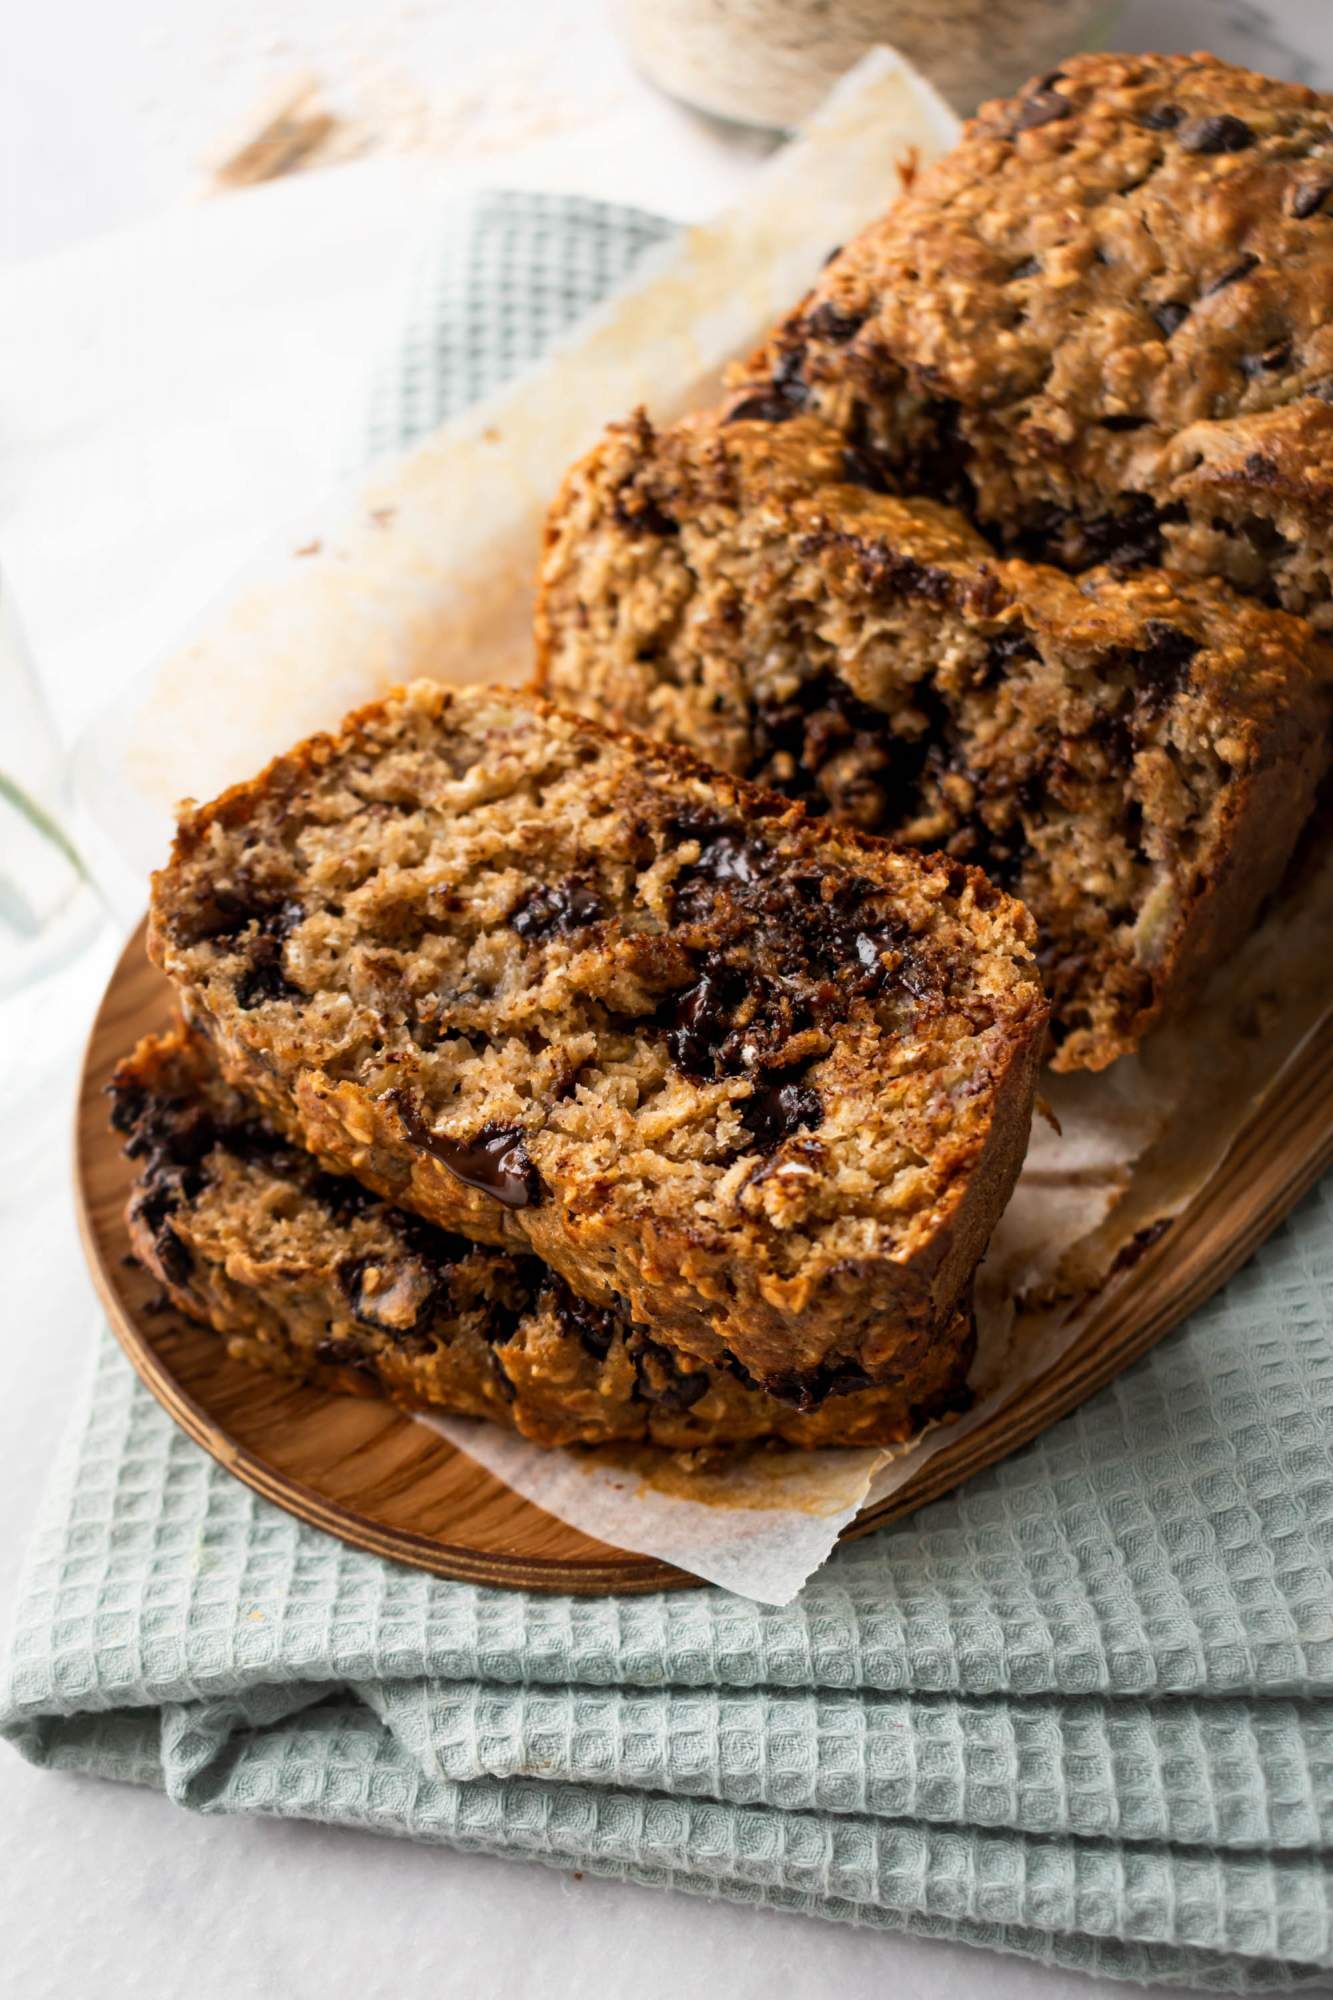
x=1079, y=1711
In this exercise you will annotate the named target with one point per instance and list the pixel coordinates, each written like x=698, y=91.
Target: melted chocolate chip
x=829, y=322
x=766, y=406
x=1307, y=199
x=782, y=397
x=726, y=855
x=640, y=514
x=263, y=982
x=1161, y=667
x=806, y=1389
x=234, y=910
x=1261, y=467
x=173, y=1141
x=776, y=1108
x=660, y=1379
x=171, y=1135
x=887, y=573
x=795, y=740
x=863, y=467
x=1169, y=316
x=173, y=1256
x=789, y=376
x=264, y=978
x=702, y=1023
x=1029, y=268
x=1219, y=134
x=129, y=1102
x=555, y=909
x=1041, y=107
x=1239, y=270
x=880, y=958
x=811, y=947
x=594, y=1327
x=152, y=1210
x=1126, y=539
x=1161, y=117
x=369, y=1306
x=1003, y=650
x=495, y=1162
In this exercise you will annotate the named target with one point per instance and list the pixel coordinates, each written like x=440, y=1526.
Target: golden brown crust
x=1114, y=293
x=305, y=1274
x=770, y=1086
x=1132, y=754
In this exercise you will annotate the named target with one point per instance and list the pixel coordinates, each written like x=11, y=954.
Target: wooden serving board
x=367, y=1473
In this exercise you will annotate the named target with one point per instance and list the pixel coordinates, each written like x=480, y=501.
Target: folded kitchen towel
x=1081, y=1710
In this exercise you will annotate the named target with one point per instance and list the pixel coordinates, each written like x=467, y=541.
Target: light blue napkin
x=1079, y=1711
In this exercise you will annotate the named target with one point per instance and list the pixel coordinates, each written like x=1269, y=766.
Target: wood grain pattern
x=365, y=1472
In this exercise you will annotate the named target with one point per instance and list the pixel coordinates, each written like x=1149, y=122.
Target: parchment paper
x=427, y=569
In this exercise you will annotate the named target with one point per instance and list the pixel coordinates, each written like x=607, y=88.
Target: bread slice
x=1103, y=324
x=761, y=1079
x=1132, y=755
x=309, y=1274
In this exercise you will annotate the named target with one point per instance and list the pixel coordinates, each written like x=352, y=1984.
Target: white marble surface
x=168, y=393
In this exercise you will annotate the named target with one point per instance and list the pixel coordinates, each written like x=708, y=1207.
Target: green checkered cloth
x=506, y=276
x=1078, y=1711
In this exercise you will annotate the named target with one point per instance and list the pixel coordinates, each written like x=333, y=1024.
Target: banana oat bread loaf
x=309, y=1274
x=763, y=1080
x=1103, y=325
x=1132, y=755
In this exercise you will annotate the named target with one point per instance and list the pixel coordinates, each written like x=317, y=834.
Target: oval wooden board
x=367, y=1473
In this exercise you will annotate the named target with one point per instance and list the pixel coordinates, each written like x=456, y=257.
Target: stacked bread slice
x=732, y=1096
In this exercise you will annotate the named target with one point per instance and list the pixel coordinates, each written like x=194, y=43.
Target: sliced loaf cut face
x=763, y=1081
x=308, y=1274
x=1132, y=755
x=1103, y=325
